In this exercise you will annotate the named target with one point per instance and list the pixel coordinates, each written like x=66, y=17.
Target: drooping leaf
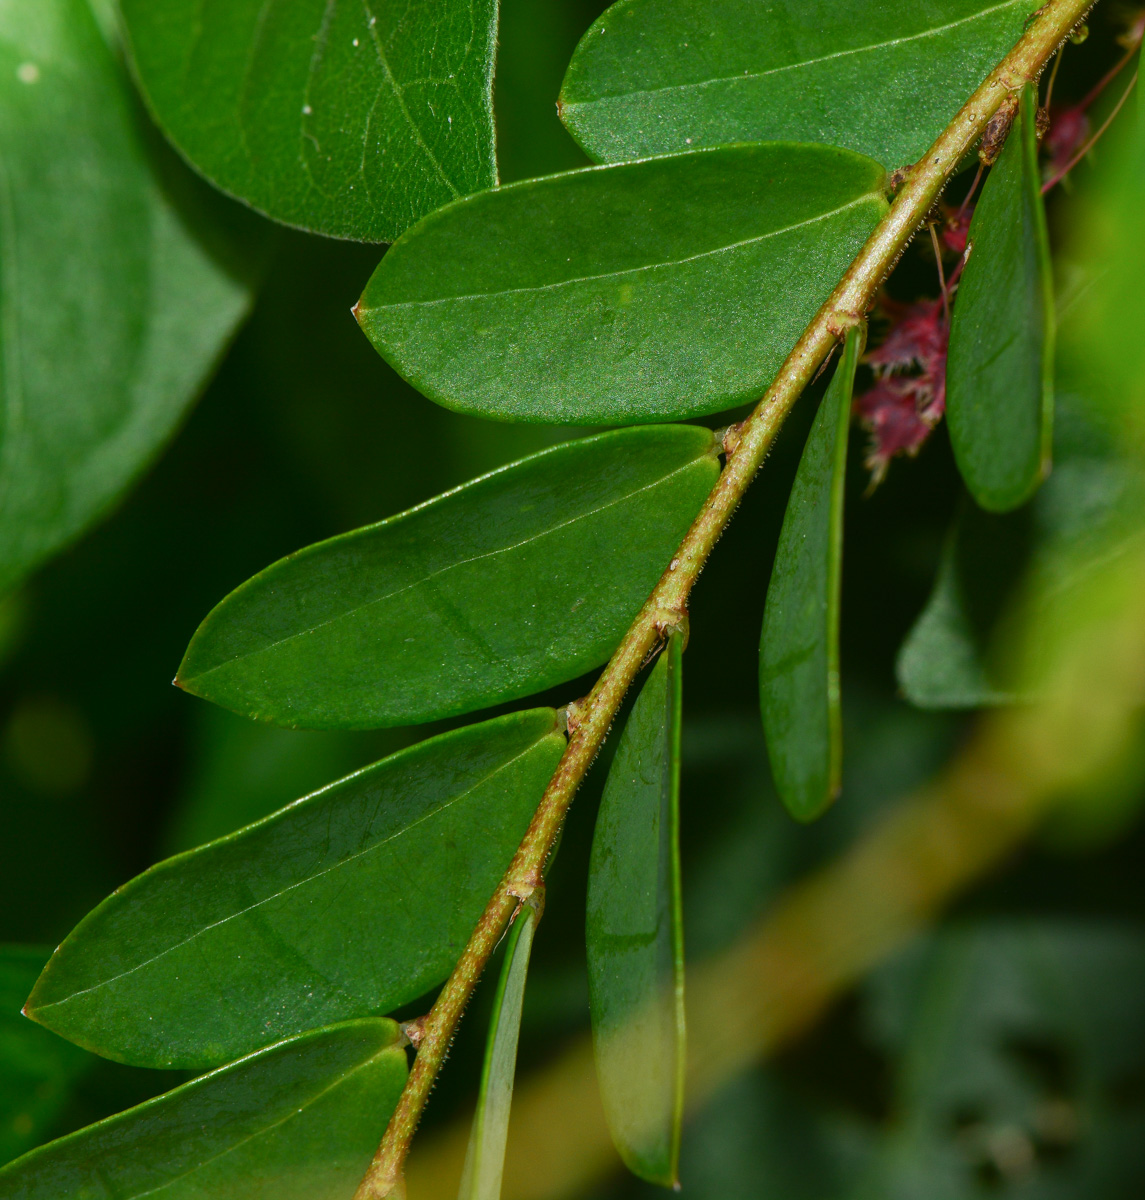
x=115, y=299
x=351, y=118
x=799, y=646
x=650, y=290
x=634, y=932
x=37, y=1070
x=486, y=1155
x=515, y=582
x=346, y=904
x=297, y=1121
x=660, y=76
x=999, y=398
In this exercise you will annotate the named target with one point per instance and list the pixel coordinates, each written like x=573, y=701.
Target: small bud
x=1079, y=34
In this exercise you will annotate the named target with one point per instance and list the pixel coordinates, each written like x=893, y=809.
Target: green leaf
x=1000, y=368
x=485, y=1158
x=658, y=76
x=351, y=118
x=37, y=1070
x=651, y=290
x=348, y=903
x=298, y=1121
x=799, y=646
x=114, y=300
x=635, y=935
x=515, y=582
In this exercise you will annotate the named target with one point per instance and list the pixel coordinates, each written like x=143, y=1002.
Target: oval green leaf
x=485, y=1159
x=515, y=582
x=113, y=308
x=298, y=1121
x=662, y=289
x=999, y=374
x=348, y=903
x=660, y=76
x=351, y=118
x=799, y=646
x=37, y=1071
x=634, y=930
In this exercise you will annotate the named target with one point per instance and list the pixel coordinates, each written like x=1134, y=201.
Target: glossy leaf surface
x=346, y=117
x=515, y=582
x=114, y=300
x=799, y=646
x=345, y=904
x=634, y=931
x=485, y=1159
x=1000, y=366
x=659, y=289
x=298, y=1121
x=37, y=1069
x=660, y=76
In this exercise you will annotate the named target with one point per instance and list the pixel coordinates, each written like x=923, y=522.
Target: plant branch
x=747, y=446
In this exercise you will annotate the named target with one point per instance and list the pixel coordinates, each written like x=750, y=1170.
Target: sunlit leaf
x=635, y=932
x=517, y=581
x=346, y=904
x=114, y=299
x=1000, y=368
x=486, y=1156
x=37, y=1070
x=298, y=1121
x=346, y=117
x=799, y=646
x=623, y=294
x=658, y=76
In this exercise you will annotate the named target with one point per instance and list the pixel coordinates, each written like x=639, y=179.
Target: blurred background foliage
x=1000, y=1054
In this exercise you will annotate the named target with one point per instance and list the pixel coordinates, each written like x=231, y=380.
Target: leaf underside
x=999, y=399
x=661, y=289
x=351, y=118
x=799, y=645
x=515, y=582
x=348, y=903
x=634, y=932
x=884, y=79
x=299, y=1121
x=113, y=309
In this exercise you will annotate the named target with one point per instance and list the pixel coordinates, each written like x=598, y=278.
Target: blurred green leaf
x=348, y=903
x=634, y=930
x=1023, y=1064
x=657, y=76
x=37, y=1070
x=517, y=581
x=298, y=1121
x=347, y=118
x=623, y=294
x=1000, y=365
x=799, y=645
x=115, y=294
x=485, y=1158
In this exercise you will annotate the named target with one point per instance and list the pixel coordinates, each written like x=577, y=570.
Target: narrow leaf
x=298, y=1121
x=651, y=290
x=37, y=1070
x=999, y=399
x=348, y=903
x=799, y=646
x=113, y=305
x=346, y=117
x=515, y=582
x=485, y=1159
x=660, y=76
x=635, y=935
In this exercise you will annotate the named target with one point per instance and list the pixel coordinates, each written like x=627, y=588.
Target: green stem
x=590, y=720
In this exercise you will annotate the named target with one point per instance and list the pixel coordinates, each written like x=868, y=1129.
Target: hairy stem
x=666, y=606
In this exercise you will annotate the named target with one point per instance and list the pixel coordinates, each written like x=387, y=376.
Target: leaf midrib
x=873, y=48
